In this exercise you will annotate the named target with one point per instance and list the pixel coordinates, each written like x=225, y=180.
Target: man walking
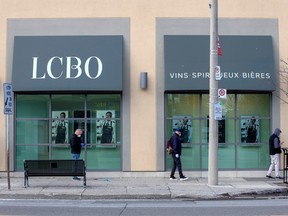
x=274, y=151
x=75, y=144
x=176, y=155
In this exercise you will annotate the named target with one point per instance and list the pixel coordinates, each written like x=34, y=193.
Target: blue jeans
x=75, y=157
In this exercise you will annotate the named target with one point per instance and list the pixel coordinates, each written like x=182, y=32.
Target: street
x=143, y=207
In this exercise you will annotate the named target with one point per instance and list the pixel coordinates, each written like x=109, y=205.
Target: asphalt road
x=144, y=207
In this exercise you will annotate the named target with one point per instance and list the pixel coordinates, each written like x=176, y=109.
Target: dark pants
x=176, y=164
x=75, y=157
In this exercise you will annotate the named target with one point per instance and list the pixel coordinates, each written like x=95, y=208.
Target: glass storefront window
x=32, y=132
x=26, y=106
x=182, y=104
x=248, y=104
x=44, y=124
x=241, y=113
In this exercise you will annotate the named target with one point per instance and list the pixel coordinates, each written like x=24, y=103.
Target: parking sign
x=8, y=99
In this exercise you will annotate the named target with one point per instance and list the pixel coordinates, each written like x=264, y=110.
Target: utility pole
x=213, y=96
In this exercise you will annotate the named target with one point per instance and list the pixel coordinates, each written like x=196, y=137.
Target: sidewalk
x=140, y=188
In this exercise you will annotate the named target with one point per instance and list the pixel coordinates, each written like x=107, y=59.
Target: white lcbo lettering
x=70, y=67
x=34, y=72
x=49, y=71
x=87, y=63
x=74, y=67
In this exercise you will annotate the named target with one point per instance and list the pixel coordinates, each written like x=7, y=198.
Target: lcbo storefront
x=56, y=81
x=249, y=75
x=63, y=81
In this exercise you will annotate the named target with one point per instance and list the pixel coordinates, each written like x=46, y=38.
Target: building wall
x=143, y=48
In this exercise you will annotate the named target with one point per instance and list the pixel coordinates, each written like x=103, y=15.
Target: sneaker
x=76, y=178
x=172, y=178
x=183, y=178
x=269, y=176
x=279, y=177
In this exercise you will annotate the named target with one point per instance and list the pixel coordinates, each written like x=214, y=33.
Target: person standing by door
x=75, y=144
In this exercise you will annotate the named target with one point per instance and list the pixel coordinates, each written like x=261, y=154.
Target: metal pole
x=7, y=148
x=213, y=96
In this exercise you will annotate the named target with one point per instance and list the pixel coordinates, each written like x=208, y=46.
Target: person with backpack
x=176, y=155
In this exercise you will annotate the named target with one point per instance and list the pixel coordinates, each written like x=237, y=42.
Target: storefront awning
x=247, y=63
x=67, y=63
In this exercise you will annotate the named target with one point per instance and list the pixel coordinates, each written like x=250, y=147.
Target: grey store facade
x=249, y=70
x=249, y=77
x=66, y=81
x=45, y=121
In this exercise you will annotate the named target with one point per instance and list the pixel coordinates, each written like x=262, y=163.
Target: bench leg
x=26, y=184
x=84, y=180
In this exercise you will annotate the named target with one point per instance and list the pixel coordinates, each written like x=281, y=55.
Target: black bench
x=54, y=168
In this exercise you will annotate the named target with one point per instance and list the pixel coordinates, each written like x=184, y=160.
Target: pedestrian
x=274, y=151
x=176, y=155
x=75, y=144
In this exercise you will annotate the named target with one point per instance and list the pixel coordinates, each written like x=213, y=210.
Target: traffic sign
x=218, y=110
x=217, y=73
x=8, y=99
x=222, y=93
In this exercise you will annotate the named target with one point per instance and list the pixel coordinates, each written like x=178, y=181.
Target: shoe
x=183, y=178
x=269, y=176
x=172, y=178
x=76, y=178
x=279, y=177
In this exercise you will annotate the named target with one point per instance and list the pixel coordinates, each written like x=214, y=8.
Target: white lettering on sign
x=73, y=68
x=223, y=75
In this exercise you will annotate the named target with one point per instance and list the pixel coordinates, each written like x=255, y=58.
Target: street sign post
x=8, y=110
x=218, y=110
x=8, y=100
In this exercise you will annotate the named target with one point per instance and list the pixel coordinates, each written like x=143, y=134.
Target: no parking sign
x=222, y=93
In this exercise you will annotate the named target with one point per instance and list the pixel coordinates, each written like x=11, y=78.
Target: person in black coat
x=274, y=152
x=176, y=155
x=75, y=144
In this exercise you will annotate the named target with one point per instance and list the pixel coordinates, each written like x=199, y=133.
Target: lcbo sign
x=68, y=64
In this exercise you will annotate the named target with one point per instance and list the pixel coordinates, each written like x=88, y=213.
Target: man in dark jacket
x=274, y=151
x=176, y=155
x=75, y=144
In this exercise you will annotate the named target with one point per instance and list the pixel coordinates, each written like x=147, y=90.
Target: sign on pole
x=218, y=110
x=217, y=73
x=8, y=110
x=222, y=93
x=8, y=100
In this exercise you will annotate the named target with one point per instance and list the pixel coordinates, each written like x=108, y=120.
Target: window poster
x=105, y=126
x=185, y=124
x=59, y=127
x=221, y=130
x=250, y=129
x=79, y=123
